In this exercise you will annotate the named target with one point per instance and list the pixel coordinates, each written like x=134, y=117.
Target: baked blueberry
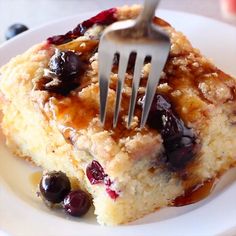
x=178, y=139
x=66, y=64
x=54, y=186
x=77, y=203
x=95, y=173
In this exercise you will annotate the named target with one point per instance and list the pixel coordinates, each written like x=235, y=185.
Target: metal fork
x=139, y=36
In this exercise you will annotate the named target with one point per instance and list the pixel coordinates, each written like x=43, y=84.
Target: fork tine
x=104, y=77
x=153, y=80
x=136, y=80
x=123, y=61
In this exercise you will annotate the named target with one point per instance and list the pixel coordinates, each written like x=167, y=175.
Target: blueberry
x=14, y=30
x=77, y=203
x=54, y=186
x=178, y=140
x=66, y=64
x=95, y=173
x=66, y=68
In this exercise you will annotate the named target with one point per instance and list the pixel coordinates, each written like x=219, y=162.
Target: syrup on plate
x=196, y=193
x=35, y=178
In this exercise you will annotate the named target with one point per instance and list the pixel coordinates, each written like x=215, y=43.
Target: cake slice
x=50, y=105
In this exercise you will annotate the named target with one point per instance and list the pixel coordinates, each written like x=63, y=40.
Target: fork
x=144, y=39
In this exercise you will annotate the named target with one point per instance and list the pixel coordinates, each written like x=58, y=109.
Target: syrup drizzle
x=196, y=193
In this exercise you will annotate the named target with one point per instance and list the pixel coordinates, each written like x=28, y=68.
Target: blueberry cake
x=50, y=105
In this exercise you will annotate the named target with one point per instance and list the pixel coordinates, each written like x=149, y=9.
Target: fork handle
x=148, y=11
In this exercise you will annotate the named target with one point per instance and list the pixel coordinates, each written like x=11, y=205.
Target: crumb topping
x=189, y=80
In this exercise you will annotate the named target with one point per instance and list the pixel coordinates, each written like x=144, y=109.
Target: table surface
x=35, y=13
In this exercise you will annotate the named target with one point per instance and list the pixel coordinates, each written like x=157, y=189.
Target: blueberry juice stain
x=106, y=17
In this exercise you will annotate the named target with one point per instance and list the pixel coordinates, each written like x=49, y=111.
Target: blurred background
x=34, y=13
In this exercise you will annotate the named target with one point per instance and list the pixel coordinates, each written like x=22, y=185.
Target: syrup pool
x=35, y=178
x=196, y=193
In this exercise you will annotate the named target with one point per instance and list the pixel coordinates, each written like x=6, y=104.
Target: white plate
x=21, y=213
